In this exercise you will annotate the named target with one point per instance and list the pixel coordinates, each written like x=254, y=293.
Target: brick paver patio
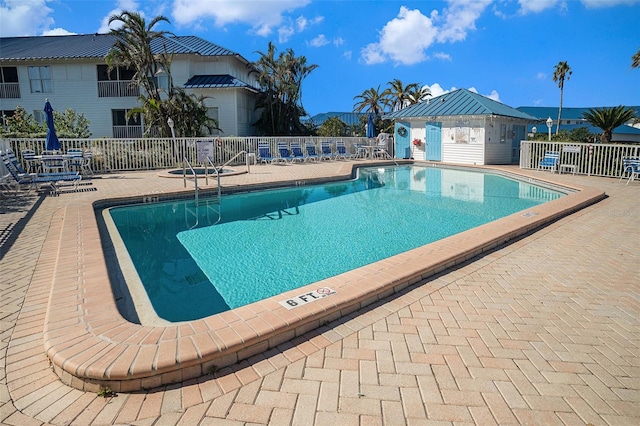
x=545, y=331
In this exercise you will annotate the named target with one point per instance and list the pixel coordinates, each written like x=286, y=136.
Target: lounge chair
x=341, y=151
x=312, y=155
x=264, y=153
x=296, y=151
x=630, y=165
x=285, y=154
x=325, y=151
x=550, y=161
x=35, y=180
x=31, y=162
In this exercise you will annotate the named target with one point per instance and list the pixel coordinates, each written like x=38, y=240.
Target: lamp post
x=534, y=130
x=549, y=124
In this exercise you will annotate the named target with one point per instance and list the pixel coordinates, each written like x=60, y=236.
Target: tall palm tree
x=608, y=119
x=419, y=94
x=399, y=95
x=132, y=50
x=371, y=100
x=635, y=60
x=280, y=78
x=561, y=73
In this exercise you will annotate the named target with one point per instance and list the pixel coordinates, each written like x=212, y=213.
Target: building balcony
x=117, y=89
x=10, y=90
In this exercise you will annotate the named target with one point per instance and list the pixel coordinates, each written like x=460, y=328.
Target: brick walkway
x=543, y=331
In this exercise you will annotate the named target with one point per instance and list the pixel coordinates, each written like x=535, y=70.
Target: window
x=40, y=80
x=124, y=127
x=212, y=113
x=39, y=116
x=116, y=83
x=9, y=86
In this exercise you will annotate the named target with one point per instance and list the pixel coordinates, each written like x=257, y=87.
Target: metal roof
x=215, y=81
x=97, y=46
x=568, y=113
x=349, y=118
x=458, y=102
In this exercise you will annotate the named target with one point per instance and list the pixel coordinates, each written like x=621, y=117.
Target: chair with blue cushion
x=36, y=180
x=264, y=152
x=549, y=161
x=341, y=151
x=285, y=154
x=630, y=165
x=297, y=153
x=325, y=151
x=312, y=155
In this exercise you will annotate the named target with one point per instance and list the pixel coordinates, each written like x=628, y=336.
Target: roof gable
x=458, y=102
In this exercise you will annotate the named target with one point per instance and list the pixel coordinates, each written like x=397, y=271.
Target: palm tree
x=608, y=119
x=561, y=72
x=419, y=94
x=399, y=95
x=371, y=100
x=635, y=60
x=281, y=80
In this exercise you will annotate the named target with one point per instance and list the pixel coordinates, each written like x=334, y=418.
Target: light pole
x=549, y=124
x=534, y=130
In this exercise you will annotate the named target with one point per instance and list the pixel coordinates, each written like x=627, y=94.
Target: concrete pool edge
x=91, y=345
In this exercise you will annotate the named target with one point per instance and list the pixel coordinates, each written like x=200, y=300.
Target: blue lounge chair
x=550, y=161
x=312, y=155
x=325, y=151
x=285, y=154
x=35, y=180
x=297, y=153
x=341, y=151
x=264, y=153
x=630, y=165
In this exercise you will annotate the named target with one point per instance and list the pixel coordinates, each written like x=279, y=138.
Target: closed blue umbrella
x=53, y=143
x=371, y=129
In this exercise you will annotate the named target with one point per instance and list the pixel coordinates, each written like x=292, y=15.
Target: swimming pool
x=195, y=262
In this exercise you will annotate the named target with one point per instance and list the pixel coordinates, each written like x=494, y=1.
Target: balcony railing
x=130, y=132
x=117, y=89
x=10, y=90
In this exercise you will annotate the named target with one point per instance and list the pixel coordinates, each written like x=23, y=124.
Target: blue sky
x=504, y=49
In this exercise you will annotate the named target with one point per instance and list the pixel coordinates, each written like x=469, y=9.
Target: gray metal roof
x=97, y=46
x=458, y=102
x=215, y=81
x=568, y=113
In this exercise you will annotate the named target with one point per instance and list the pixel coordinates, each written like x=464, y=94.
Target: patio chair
x=30, y=161
x=550, y=161
x=298, y=154
x=285, y=154
x=325, y=151
x=341, y=151
x=381, y=149
x=264, y=153
x=74, y=160
x=53, y=163
x=36, y=180
x=312, y=155
x=630, y=165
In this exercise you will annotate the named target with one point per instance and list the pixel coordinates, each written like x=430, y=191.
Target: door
x=434, y=141
x=402, y=135
x=518, y=135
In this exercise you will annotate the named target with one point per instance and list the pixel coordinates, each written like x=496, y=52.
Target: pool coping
x=90, y=345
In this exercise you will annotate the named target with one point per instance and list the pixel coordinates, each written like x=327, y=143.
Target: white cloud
x=319, y=41
x=263, y=16
x=593, y=4
x=541, y=76
x=122, y=5
x=57, y=32
x=442, y=55
x=406, y=38
x=338, y=41
x=284, y=32
x=537, y=6
x=24, y=17
x=347, y=54
x=437, y=90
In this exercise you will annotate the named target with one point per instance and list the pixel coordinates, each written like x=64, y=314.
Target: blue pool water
x=195, y=262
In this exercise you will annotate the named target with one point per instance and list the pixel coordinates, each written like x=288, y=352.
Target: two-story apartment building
x=72, y=73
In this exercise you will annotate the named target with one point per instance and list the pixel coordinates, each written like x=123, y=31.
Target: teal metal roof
x=97, y=46
x=216, y=81
x=568, y=113
x=458, y=102
x=349, y=118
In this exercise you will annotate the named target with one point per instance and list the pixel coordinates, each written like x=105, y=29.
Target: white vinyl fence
x=588, y=159
x=115, y=155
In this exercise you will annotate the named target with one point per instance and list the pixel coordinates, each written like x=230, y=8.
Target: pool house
x=460, y=127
